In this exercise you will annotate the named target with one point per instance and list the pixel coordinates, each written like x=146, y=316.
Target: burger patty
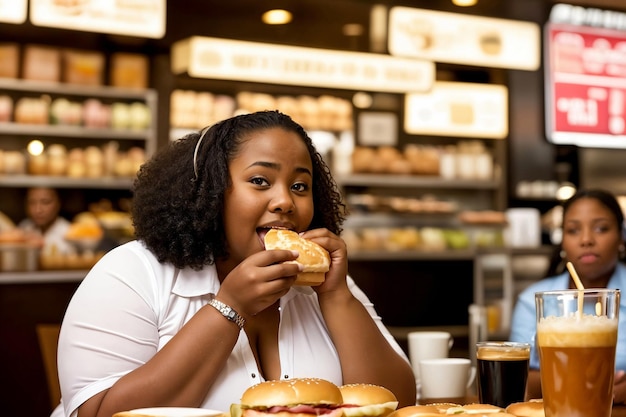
x=321, y=410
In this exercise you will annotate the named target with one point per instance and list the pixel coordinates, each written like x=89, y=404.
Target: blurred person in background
x=43, y=206
x=593, y=241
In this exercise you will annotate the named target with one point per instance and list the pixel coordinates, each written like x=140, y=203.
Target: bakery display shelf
x=357, y=220
x=65, y=182
x=544, y=250
x=179, y=132
x=414, y=181
x=36, y=277
x=11, y=128
x=444, y=255
x=412, y=255
x=64, y=89
x=516, y=251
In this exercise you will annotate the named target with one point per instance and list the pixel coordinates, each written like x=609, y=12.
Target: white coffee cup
x=428, y=345
x=446, y=377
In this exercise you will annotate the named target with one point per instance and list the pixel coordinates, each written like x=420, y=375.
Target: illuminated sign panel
x=458, y=109
x=142, y=19
x=586, y=86
x=462, y=39
x=204, y=57
x=13, y=11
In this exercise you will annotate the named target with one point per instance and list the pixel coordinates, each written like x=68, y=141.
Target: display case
x=106, y=151
x=425, y=216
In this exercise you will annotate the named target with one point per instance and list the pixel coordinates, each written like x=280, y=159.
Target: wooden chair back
x=48, y=336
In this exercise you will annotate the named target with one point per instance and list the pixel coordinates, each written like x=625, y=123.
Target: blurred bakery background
x=447, y=125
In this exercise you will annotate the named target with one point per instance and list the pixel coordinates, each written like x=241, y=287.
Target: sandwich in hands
x=298, y=397
x=367, y=400
x=315, y=258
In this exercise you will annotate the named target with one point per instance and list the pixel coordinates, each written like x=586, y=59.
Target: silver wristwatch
x=228, y=312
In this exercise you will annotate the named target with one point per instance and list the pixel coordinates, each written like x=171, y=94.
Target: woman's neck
x=223, y=267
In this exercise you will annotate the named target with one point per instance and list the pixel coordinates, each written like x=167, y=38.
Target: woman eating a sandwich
x=196, y=310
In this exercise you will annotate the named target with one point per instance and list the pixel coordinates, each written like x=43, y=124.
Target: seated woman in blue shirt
x=593, y=241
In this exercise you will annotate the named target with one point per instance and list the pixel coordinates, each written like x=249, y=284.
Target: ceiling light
x=565, y=191
x=464, y=3
x=276, y=17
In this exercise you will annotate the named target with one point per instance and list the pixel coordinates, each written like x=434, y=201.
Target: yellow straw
x=575, y=277
x=580, y=287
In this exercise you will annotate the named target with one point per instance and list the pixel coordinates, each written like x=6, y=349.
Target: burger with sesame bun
x=297, y=397
x=367, y=400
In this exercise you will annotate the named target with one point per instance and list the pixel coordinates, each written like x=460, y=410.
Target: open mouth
x=262, y=231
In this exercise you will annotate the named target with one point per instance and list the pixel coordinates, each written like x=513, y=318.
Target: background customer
x=43, y=206
x=593, y=230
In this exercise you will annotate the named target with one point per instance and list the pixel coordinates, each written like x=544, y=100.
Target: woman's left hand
x=619, y=387
x=336, y=247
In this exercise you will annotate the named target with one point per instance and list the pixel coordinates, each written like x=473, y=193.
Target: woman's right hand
x=259, y=281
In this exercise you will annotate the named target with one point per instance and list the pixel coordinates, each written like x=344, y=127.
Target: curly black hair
x=177, y=213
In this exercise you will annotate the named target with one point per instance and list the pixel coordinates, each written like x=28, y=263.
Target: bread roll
x=416, y=411
x=476, y=408
x=533, y=408
x=444, y=407
x=315, y=259
x=367, y=400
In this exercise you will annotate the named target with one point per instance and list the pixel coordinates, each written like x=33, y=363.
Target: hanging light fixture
x=276, y=17
x=464, y=3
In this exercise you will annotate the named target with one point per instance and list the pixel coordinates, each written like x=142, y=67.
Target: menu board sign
x=145, y=18
x=458, y=109
x=226, y=59
x=13, y=11
x=463, y=39
x=586, y=86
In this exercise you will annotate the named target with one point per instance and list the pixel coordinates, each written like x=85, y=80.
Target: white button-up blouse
x=130, y=305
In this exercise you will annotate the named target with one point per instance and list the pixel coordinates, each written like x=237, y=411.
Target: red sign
x=586, y=86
